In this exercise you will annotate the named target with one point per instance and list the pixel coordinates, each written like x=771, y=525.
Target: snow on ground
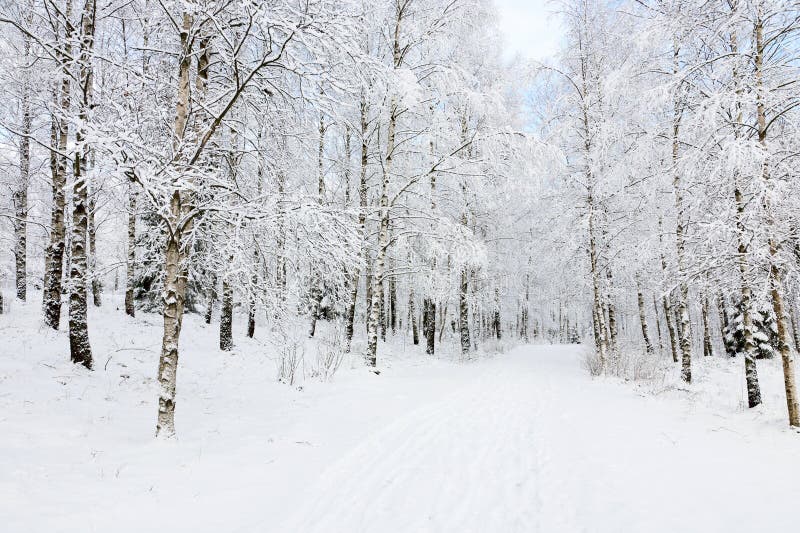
x=522, y=442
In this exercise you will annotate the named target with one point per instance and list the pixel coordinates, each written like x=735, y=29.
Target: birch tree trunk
x=59, y=133
x=775, y=273
x=795, y=330
x=251, y=298
x=724, y=325
x=280, y=258
x=463, y=312
x=96, y=283
x=20, y=196
x=212, y=298
x=708, y=349
x=383, y=232
x=599, y=318
x=412, y=316
x=175, y=275
x=643, y=319
x=80, y=349
x=393, y=301
x=130, y=259
x=428, y=302
x=382, y=315
x=497, y=326
x=316, y=292
x=750, y=369
x=362, y=220
x=226, y=317
x=685, y=341
x=383, y=242
x=525, y=319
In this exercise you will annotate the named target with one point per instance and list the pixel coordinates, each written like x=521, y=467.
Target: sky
x=529, y=27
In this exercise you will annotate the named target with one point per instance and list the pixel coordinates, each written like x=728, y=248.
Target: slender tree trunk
x=393, y=303
x=708, y=349
x=375, y=319
x=412, y=315
x=130, y=262
x=429, y=325
x=226, y=317
x=80, y=349
x=251, y=298
x=251, y=317
x=525, y=319
x=643, y=319
x=383, y=232
x=212, y=298
x=750, y=368
x=599, y=317
x=59, y=133
x=496, y=321
x=383, y=315
x=658, y=325
x=175, y=275
x=665, y=300
x=612, y=327
x=685, y=341
x=473, y=302
x=463, y=312
x=20, y=197
x=362, y=219
x=96, y=283
x=280, y=256
x=429, y=302
x=368, y=283
x=724, y=322
x=376, y=295
x=776, y=275
x=317, y=286
x=671, y=327
x=795, y=330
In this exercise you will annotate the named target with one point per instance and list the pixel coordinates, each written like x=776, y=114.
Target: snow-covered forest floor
x=521, y=441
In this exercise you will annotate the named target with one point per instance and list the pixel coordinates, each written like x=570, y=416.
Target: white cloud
x=529, y=27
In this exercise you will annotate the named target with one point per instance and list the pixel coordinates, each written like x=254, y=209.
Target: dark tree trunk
x=412, y=317
x=212, y=298
x=226, y=318
x=463, y=312
x=130, y=262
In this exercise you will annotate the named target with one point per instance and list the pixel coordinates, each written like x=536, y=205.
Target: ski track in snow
x=528, y=447
x=525, y=442
x=470, y=462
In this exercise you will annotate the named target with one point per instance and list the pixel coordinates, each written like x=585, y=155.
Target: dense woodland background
x=383, y=167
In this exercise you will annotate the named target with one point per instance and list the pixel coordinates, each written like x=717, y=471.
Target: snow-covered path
x=531, y=444
x=523, y=442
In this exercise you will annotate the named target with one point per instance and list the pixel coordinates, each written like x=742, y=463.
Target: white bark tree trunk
x=775, y=273
x=54, y=258
x=80, y=349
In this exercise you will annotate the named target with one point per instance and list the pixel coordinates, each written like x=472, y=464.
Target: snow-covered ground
x=524, y=441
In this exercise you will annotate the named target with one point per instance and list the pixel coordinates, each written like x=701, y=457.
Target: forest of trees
x=292, y=160
x=384, y=167
x=676, y=120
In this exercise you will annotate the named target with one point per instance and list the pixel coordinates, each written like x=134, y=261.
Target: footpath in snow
x=524, y=442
